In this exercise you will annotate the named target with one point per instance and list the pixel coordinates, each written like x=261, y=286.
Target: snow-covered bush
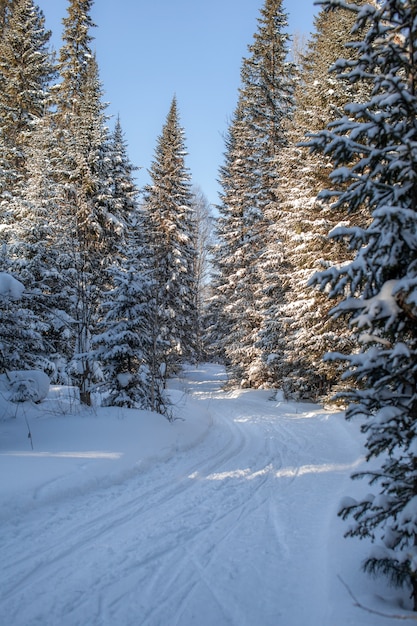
x=23, y=385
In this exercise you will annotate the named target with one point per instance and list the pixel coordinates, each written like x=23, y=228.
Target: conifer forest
x=302, y=279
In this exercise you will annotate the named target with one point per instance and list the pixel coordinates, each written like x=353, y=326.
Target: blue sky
x=149, y=51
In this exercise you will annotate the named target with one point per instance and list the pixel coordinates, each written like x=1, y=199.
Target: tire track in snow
x=95, y=530
x=229, y=525
x=61, y=545
x=164, y=537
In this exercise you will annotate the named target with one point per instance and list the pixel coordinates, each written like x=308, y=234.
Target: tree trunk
x=85, y=397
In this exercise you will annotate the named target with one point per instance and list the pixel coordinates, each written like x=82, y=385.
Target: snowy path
x=241, y=529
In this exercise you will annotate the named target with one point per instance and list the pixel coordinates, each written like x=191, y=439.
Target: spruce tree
x=250, y=182
x=124, y=348
x=121, y=183
x=20, y=336
x=127, y=338
x=81, y=119
x=298, y=317
x=124, y=343
x=74, y=55
x=88, y=152
x=26, y=70
x=375, y=172
x=41, y=250
x=92, y=153
x=233, y=308
x=170, y=225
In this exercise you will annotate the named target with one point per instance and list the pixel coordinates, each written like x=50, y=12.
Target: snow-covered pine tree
x=43, y=244
x=124, y=343
x=249, y=182
x=373, y=148
x=128, y=346
x=20, y=339
x=296, y=359
x=97, y=224
x=74, y=56
x=82, y=121
x=233, y=308
x=36, y=244
x=169, y=224
x=26, y=70
x=268, y=89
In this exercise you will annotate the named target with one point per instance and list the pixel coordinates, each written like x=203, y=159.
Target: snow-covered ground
x=227, y=516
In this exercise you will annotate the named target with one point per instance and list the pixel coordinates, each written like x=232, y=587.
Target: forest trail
x=240, y=529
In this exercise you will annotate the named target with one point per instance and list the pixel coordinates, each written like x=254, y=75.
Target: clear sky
x=149, y=51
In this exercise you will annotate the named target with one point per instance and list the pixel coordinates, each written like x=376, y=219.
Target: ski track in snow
x=213, y=536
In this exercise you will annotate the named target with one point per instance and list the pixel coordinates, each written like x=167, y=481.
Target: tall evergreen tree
x=303, y=221
x=49, y=246
x=75, y=55
x=97, y=223
x=26, y=70
x=93, y=220
x=122, y=186
x=81, y=119
x=36, y=244
x=233, y=307
x=125, y=344
x=250, y=181
x=373, y=147
x=170, y=236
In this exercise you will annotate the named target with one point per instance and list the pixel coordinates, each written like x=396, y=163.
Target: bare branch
x=373, y=611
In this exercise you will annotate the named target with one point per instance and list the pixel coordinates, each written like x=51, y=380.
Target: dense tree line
x=110, y=301
x=270, y=326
